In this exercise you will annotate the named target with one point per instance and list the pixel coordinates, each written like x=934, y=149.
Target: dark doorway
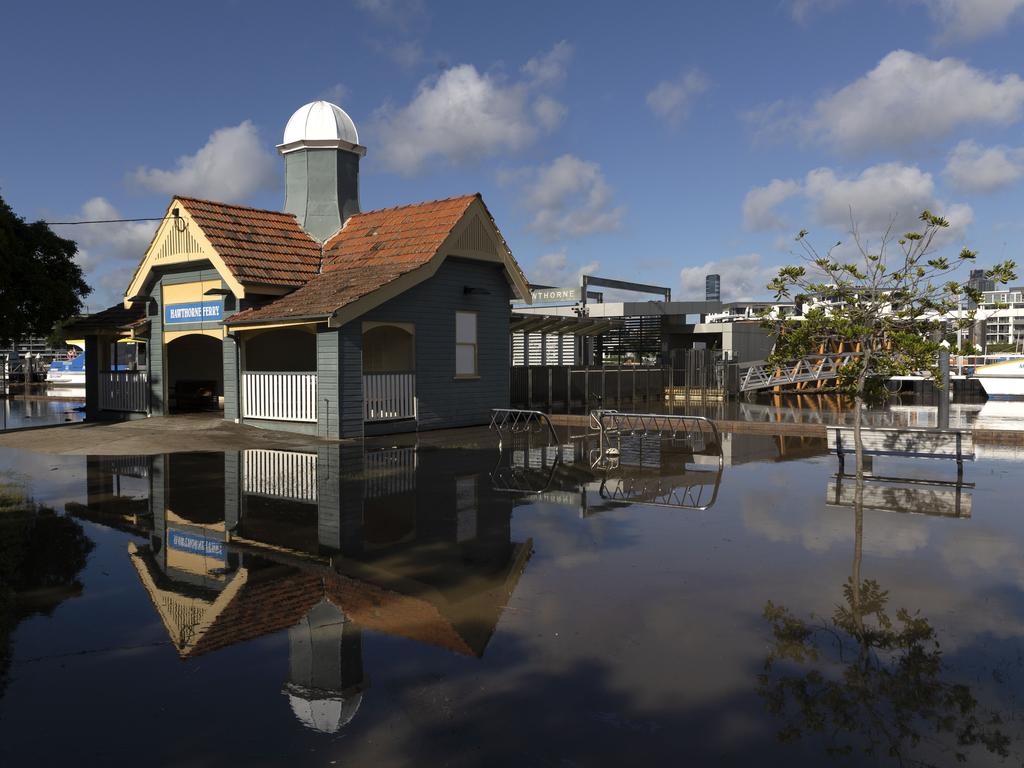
x=195, y=373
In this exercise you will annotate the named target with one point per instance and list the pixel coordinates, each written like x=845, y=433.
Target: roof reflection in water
x=324, y=545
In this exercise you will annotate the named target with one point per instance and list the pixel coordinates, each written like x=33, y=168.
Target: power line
x=99, y=221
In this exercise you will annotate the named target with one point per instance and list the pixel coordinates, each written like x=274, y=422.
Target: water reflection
x=866, y=682
x=322, y=545
x=648, y=469
x=41, y=555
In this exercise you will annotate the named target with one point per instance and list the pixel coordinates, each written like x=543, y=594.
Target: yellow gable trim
x=180, y=241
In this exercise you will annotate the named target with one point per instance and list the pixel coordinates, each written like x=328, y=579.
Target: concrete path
x=160, y=434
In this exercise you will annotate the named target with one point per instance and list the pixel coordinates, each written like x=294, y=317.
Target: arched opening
x=389, y=371
x=195, y=373
x=388, y=349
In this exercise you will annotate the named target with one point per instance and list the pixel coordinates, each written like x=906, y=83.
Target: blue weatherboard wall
x=444, y=401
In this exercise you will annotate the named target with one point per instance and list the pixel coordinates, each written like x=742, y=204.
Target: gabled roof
x=377, y=248
x=258, y=246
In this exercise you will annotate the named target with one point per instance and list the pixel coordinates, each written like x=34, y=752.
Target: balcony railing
x=389, y=396
x=125, y=391
x=279, y=396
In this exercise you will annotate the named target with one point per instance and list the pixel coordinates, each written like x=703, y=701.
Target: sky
x=652, y=142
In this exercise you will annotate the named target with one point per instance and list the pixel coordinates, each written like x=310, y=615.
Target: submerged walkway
x=160, y=434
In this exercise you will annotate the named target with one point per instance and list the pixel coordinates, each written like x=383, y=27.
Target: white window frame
x=475, y=344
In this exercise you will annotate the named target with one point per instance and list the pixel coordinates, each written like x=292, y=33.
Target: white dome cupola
x=321, y=152
x=319, y=124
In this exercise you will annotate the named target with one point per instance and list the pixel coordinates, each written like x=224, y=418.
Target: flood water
x=449, y=603
x=16, y=413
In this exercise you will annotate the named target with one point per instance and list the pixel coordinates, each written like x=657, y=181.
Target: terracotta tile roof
x=373, y=249
x=259, y=246
x=112, y=319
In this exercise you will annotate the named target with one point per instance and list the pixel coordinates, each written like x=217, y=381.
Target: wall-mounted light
x=216, y=292
x=470, y=290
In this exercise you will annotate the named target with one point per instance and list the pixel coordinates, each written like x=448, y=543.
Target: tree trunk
x=858, y=404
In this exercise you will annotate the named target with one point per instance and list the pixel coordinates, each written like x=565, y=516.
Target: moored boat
x=71, y=371
x=1004, y=379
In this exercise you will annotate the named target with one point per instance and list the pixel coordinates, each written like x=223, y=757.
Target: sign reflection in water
x=321, y=545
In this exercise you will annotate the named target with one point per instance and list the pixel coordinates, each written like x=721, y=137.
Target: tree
x=40, y=283
x=888, y=303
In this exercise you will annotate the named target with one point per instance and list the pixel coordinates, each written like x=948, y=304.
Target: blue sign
x=193, y=312
x=195, y=544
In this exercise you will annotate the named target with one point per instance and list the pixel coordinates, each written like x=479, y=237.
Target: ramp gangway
x=759, y=374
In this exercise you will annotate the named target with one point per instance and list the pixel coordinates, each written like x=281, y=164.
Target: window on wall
x=465, y=344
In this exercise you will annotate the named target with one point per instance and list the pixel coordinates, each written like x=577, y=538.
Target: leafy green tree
x=888, y=303
x=40, y=283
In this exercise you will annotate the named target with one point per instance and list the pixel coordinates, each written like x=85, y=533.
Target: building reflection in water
x=322, y=545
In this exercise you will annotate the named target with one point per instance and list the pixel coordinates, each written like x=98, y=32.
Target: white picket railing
x=126, y=391
x=279, y=396
x=389, y=396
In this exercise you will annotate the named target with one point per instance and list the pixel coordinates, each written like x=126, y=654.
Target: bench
x=909, y=443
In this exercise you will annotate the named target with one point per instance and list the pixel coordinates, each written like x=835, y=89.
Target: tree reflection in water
x=871, y=682
x=41, y=554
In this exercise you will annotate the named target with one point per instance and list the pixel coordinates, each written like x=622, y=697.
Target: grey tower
x=713, y=288
x=321, y=168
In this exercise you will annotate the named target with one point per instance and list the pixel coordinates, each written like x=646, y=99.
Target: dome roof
x=325, y=715
x=320, y=121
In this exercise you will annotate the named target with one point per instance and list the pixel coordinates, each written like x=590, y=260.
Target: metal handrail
x=519, y=420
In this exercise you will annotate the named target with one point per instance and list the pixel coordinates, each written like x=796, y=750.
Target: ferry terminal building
x=320, y=319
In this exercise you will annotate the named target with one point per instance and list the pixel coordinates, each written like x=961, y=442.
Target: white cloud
x=336, y=94
x=905, y=99
x=879, y=195
x=800, y=10
x=550, y=67
x=403, y=14
x=672, y=99
x=555, y=269
x=984, y=169
x=569, y=198
x=760, y=203
x=107, y=253
x=965, y=20
x=233, y=165
x=463, y=114
x=744, y=277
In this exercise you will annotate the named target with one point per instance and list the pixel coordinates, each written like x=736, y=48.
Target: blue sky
x=651, y=142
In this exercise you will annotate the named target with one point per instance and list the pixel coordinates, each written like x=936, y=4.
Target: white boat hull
x=1003, y=380
x=66, y=379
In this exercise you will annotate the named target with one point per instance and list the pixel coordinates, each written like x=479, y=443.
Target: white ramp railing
x=389, y=396
x=125, y=391
x=279, y=396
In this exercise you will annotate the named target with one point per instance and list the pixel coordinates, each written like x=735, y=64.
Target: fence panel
x=124, y=391
x=389, y=396
x=279, y=396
